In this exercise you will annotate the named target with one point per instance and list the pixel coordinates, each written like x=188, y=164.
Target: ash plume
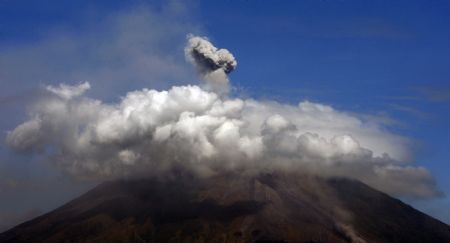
x=152, y=132
x=213, y=64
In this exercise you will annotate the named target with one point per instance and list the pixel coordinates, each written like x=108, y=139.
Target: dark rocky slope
x=264, y=208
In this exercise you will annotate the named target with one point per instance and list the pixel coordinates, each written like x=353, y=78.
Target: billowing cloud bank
x=153, y=133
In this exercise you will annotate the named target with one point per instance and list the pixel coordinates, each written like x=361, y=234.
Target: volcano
x=267, y=207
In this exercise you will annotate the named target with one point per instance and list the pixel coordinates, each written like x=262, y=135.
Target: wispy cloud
x=411, y=110
x=134, y=47
x=356, y=27
x=435, y=94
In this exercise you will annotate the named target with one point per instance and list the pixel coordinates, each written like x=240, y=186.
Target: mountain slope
x=265, y=208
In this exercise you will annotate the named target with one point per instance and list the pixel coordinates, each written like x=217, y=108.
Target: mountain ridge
x=267, y=207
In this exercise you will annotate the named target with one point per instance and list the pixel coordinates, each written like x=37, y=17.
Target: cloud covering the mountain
x=154, y=132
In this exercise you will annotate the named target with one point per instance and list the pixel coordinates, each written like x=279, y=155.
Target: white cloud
x=153, y=132
x=68, y=92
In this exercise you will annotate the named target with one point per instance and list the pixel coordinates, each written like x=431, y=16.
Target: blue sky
x=388, y=60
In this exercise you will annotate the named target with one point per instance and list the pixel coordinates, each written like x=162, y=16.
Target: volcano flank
x=267, y=207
